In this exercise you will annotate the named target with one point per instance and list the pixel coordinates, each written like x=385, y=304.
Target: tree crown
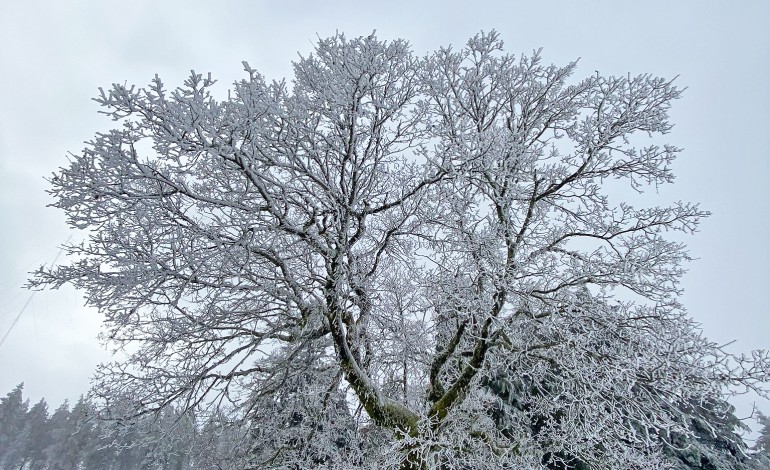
x=426, y=241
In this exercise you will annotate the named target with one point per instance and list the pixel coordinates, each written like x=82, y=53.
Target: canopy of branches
x=399, y=261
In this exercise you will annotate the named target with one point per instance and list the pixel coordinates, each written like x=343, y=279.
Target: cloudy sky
x=55, y=54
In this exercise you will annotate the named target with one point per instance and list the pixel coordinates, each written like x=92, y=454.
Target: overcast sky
x=55, y=54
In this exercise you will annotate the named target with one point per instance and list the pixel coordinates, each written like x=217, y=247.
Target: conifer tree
x=13, y=410
x=34, y=438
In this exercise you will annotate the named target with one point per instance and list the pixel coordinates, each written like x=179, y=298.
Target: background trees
x=762, y=446
x=79, y=439
x=763, y=443
x=396, y=234
x=12, y=417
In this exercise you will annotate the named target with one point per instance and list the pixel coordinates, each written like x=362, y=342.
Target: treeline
x=82, y=437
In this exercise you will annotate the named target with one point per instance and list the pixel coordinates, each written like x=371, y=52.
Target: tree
x=223, y=444
x=99, y=451
x=33, y=439
x=13, y=410
x=421, y=226
x=714, y=444
x=761, y=459
x=64, y=450
x=316, y=427
x=763, y=441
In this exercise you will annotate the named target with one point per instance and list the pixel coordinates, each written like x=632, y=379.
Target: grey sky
x=54, y=55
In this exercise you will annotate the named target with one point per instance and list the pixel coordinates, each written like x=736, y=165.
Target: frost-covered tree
x=763, y=441
x=714, y=444
x=32, y=441
x=761, y=457
x=64, y=450
x=13, y=409
x=420, y=227
x=99, y=452
x=222, y=444
x=316, y=427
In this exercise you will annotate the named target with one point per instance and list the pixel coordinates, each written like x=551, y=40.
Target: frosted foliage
x=395, y=261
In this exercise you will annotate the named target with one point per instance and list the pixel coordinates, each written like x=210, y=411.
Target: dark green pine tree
x=715, y=444
x=510, y=407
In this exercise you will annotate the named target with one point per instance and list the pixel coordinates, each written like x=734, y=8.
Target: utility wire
x=29, y=299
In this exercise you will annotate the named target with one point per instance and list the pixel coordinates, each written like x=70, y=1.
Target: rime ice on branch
x=422, y=248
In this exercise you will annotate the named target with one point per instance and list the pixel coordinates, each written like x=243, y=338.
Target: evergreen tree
x=714, y=444
x=763, y=442
x=35, y=437
x=13, y=409
x=85, y=430
x=219, y=443
x=62, y=453
x=316, y=429
x=99, y=452
x=761, y=459
x=170, y=440
x=707, y=439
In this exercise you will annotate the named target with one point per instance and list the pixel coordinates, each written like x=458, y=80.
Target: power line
x=29, y=299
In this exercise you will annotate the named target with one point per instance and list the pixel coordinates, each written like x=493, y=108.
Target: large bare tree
x=427, y=242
